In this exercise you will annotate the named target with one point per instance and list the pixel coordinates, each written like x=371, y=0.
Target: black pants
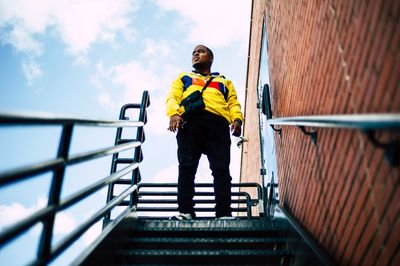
x=204, y=134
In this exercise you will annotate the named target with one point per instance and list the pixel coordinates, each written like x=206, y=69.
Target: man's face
x=201, y=56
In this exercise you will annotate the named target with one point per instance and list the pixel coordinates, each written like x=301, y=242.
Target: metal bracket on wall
x=242, y=140
x=279, y=130
x=392, y=148
x=312, y=134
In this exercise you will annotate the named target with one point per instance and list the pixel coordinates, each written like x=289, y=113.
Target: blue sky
x=88, y=58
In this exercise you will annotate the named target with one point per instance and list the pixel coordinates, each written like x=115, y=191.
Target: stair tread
x=213, y=225
x=196, y=252
x=203, y=239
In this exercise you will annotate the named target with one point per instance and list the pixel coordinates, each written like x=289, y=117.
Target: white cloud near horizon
x=218, y=23
x=11, y=213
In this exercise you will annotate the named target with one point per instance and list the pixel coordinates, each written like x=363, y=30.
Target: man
x=204, y=132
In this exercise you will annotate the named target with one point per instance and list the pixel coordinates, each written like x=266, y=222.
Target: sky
x=86, y=59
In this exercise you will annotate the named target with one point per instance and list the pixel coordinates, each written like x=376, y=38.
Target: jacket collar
x=211, y=74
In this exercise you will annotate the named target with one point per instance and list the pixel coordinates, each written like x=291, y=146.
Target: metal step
x=214, y=225
x=234, y=243
x=203, y=257
x=199, y=242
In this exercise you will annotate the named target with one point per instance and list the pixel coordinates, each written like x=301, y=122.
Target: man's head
x=202, y=57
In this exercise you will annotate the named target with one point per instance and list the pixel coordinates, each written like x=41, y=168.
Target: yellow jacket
x=219, y=97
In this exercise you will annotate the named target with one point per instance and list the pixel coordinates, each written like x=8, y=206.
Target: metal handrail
x=10, y=119
x=322, y=255
x=142, y=202
x=137, y=157
x=351, y=121
x=202, y=185
x=80, y=195
x=91, y=221
x=46, y=215
x=42, y=167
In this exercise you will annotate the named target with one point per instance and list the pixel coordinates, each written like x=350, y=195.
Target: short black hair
x=209, y=51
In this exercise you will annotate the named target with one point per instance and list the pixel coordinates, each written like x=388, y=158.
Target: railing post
x=110, y=190
x=138, y=157
x=54, y=196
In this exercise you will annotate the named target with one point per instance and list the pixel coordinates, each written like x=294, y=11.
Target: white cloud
x=79, y=24
x=31, y=70
x=214, y=23
x=105, y=98
x=9, y=214
x=65, y=222
x=120, y=84
x=82, y=23
x=22, y=40
x=158, y=48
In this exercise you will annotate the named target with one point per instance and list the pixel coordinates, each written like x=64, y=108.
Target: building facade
x=327, y=58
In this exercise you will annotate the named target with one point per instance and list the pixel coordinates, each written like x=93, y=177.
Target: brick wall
x=332, y=57
x=250, y=165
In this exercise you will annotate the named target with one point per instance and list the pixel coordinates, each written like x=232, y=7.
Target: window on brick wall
x=267, y=143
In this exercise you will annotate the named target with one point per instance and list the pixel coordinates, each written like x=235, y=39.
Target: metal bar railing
x=7, y=119
x=74, y=235
x=80, y=195
x=39, y=168
x=368, y=123
x=166, y=197
x=322, y=255
x=351, y=121
x=74, y=198
x=204, y=185
x=46, y=215
x=55, y=193
x=137, y=156
x=26, y=172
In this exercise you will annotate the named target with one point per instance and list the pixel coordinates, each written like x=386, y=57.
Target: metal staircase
x=245, y=240
x=142, y=233
x=198, y=242
x=202, y=242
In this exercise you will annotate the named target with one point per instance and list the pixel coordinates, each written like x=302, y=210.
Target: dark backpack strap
x=207, y=83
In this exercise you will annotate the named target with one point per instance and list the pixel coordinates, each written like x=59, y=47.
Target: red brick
x=357, y=221
x=393, y=207
x=395, y=260
x=391, y=245
x=307, y=77
x=392, y=100
x=394, y=43
x=362, y=194
x=333, y=237
x=383, y=82
x=371, y=251
x=368, y=234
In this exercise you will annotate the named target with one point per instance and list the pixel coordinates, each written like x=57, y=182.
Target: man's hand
x=236, y=128
x=174, y=122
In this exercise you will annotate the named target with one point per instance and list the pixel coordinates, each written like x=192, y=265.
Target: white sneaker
x=227, y=218
x=182, y=216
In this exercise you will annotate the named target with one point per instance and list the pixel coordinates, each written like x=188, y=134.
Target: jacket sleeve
x=174, y=97
x=233, y=103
